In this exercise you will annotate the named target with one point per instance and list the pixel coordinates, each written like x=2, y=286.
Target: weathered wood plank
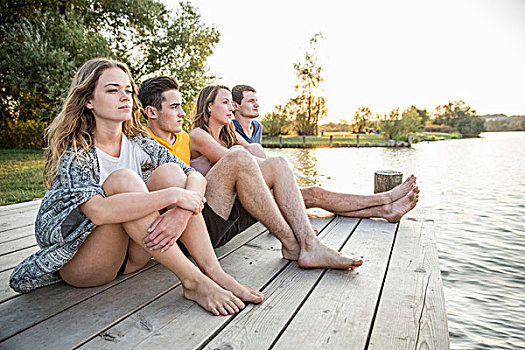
x=174, y=320
x=339, y=312
x=17, y=233
x=9, y=261
x=17, y=220
x=259, y=325
x=5, y=291
x=16, y=245
x=19, y=207
x=82, y=312
x=413, y=292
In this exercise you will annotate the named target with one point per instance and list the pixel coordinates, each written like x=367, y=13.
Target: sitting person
x=265, y=187
x=107, y=184
x=390, y=205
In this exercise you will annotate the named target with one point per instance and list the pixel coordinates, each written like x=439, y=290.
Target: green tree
x=362, y=119
x=411, y=120
x=461, y=117
x=308, y=107
x=276, y=122
x=43, y=43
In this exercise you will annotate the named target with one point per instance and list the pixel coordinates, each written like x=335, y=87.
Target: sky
x=382, y=54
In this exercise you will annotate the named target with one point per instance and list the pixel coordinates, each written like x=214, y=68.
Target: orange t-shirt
x=181, y=146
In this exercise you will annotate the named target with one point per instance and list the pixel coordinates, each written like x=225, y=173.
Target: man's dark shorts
x=222, y=231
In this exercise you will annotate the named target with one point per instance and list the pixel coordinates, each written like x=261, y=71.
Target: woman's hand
x=189, y=200
x=167, y=229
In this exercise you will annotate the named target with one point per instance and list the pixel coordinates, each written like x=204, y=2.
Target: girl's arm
x=124, y=207
x=203, y=143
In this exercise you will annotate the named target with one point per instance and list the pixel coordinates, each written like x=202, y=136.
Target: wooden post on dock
x=388, y=140
x=331, y=140
x=385, y=180
x=304, y=141
x=409, y=140
x=280, y=141
x=357, y=140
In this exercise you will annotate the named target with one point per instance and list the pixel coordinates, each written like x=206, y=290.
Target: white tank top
x=131, y=157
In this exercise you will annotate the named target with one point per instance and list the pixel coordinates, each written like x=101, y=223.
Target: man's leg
x=317, y=197
x=352, y=205
x=279, y=177
x=237, y=174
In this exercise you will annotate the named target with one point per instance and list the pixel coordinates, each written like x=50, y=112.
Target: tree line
x=301, y=115
x=42, y=43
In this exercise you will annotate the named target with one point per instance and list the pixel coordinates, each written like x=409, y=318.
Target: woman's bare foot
x=317, y=255
x=245, y=293
x=402, y=190
x=211, y=296
x=403, y=205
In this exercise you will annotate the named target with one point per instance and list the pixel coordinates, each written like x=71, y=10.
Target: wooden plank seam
x=75, y=304
x=381, y=289
x=311, y=290
x=426, y=289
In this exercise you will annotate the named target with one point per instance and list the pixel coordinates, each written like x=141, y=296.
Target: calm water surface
x=476, y=189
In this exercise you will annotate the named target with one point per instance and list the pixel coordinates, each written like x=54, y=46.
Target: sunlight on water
x=476, y=189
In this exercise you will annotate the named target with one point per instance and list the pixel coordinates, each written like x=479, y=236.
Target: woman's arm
x=124, y=207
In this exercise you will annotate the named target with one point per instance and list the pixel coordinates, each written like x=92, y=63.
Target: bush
x=22, y=134
x=438, y=128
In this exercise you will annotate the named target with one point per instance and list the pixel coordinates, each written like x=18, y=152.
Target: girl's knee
x=123, y=180
x=167, y=175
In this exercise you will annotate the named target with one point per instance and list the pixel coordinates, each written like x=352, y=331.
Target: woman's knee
x=123, y=180
x=167, y=175
x=239, y=157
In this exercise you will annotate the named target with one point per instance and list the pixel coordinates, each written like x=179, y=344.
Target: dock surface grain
x=394, y=301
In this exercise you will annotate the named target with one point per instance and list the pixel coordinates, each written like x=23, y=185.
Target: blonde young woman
x=106, y=184
x=266, y=188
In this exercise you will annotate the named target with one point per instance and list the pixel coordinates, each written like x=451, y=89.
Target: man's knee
x=311, y=194
x=123, y=180
x=238, y=158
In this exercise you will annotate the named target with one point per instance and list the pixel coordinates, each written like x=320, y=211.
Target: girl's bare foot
x=211, y=296
x=245, y=293
x=400, y=191
x=317, y=255
x=403, y=206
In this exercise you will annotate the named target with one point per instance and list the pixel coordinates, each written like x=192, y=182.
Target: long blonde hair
x=73, y=127
x=201, y=117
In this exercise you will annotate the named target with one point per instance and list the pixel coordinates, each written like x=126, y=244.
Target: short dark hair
x=150, y=91
x=238, y=92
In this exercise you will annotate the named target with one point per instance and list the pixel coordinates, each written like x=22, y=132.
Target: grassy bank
x=350, y=138
x=21, y=175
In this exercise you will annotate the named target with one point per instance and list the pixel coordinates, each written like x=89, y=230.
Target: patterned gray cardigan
x=60, y=226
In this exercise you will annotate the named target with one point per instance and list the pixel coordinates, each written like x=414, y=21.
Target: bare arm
x=203, y=143
x=123, y=207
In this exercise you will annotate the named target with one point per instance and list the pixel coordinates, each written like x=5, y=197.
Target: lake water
x=476, y=190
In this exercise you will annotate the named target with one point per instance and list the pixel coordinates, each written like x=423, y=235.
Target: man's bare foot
x=400, y=191
x=317, y=255
x=403, y=205
x=245, y=293
x=212, y=297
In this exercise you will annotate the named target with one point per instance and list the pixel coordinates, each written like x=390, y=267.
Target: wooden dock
x=394, y=301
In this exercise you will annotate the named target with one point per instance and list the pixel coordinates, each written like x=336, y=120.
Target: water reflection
x=476, y=190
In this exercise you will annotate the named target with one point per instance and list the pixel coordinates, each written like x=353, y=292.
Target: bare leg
x=100, y=256
x=196, y=239
x=340, y=203
x=393, y=212
x=313, y=253
x=237, y=173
